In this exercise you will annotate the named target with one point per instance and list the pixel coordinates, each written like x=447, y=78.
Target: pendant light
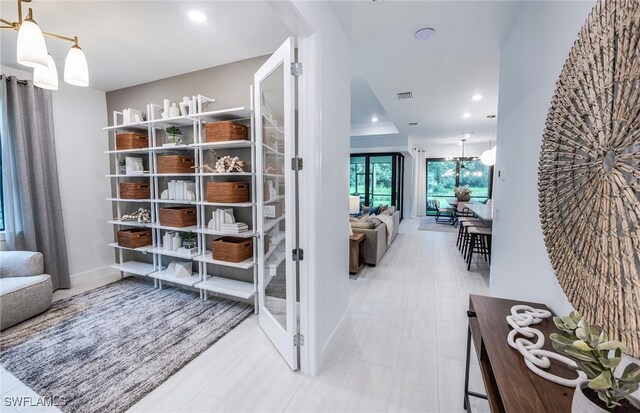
x=76, y=70
x=31, y=51
x=46, y=77
x=31, y=47
x=488, y=157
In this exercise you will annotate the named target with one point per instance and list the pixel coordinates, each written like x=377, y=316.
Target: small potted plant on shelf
x=590, y=347
x=463, y=193
x=174, y=134
x=123, y=167
x=189, y=240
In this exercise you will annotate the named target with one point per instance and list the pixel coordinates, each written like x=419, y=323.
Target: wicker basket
x=178, y=217
x=232, y=249
x=228, y=192
x=175, y=164
x=131, y=140
x=225, y=131
x=135, y=190
x=134, y=237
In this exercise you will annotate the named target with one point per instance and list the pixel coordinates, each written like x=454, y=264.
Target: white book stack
x=235, y=228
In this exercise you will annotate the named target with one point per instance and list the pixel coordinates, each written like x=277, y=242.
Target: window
x=377, y=179
x=443, y=175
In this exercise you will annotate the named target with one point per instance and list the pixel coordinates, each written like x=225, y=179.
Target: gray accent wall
x=228, y=84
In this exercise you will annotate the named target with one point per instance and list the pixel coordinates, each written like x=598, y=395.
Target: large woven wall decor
x=589, y=172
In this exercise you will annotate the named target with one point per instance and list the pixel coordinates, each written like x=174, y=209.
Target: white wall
x=325, y=117
x=79, y=116
x=530, y=63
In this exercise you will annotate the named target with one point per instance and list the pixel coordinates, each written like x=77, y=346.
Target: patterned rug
x=104, y=350
x=429, y=224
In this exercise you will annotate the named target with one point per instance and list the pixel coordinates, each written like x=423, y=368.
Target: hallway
x=403, y=349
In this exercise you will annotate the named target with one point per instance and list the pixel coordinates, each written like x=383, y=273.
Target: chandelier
x=32, y=52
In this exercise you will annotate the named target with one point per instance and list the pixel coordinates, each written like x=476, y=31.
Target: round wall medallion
x=589, y=172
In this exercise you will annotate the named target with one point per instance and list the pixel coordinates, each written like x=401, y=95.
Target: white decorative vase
x=174, y=111
x=582, y=404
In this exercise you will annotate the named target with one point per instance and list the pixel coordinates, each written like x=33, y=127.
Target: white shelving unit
x=209, y=276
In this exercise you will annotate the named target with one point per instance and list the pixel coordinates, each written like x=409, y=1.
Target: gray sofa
x=24, y=290
x=376, y=237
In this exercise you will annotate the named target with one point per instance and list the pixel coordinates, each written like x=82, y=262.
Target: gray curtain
x=33, y=211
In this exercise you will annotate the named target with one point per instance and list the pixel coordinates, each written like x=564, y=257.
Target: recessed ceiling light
x=467, y=135
x=460, y=143
x=197, y=16
x=374, y=119
x=414, y=123
x=476, y=97
x=424, y=34
x=466, y=115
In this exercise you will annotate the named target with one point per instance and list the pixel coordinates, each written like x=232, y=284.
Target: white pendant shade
x=76, y=70
x=46, y=77
x=31, y=47
x=488, y=157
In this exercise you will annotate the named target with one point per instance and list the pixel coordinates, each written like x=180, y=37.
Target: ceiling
x=460, y=60
x=133, y=42
x=364, y=107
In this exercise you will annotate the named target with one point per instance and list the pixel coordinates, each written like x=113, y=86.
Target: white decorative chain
x=521, y=318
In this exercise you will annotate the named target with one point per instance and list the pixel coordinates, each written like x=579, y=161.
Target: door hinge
x=296, y=164
x=297, y=254
x=298, y=340
x=296, y=69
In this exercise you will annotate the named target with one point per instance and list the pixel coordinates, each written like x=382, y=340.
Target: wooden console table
x=510, y=385
x=357, y=252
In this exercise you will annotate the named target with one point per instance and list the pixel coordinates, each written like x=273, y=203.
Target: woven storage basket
x=178, y=217
x=134, y=237
x=232, y=249
x=135, y=190
x=228, y=192
x=131, y=140
x=175, y=164
x=225, y=131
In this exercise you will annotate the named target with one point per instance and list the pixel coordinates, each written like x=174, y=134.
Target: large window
x=377, y=179
x=443, y=175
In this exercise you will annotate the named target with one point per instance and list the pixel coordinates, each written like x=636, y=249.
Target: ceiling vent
x=414, y=123
x=405, y=95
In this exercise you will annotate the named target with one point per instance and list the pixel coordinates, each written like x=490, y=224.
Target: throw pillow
x=353, y=219
x=362, y=225
x=364, y=218
x=364, y=209
x=391, y=210
x=375, y=221
x=383, y=208
x=374, y=210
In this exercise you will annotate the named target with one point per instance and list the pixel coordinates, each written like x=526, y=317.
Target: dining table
x=482, y=211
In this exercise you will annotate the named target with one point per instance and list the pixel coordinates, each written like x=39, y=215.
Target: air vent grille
x=414, y=123
x=405, y=95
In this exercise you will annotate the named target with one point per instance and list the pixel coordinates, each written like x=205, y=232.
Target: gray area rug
x=429, y=224
x=104, y=350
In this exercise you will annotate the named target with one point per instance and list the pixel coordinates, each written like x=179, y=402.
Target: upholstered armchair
x=24, y=290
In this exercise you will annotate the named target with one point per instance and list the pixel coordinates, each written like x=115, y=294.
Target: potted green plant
x=189, y=240
x=174, y=133
x=598, y=357
x=463, y=193
x=123, y=167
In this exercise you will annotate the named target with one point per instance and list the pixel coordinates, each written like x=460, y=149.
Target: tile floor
x=402, y=351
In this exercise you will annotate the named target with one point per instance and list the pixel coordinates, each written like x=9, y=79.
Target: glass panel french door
x=274, y=102
x=378, y=179
x=443, y=175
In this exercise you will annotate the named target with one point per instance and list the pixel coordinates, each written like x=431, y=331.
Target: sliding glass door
x=377, y=179
x=444, y=175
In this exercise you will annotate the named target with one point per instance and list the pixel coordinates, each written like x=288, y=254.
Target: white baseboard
x=91, y=275
x=332, y=341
